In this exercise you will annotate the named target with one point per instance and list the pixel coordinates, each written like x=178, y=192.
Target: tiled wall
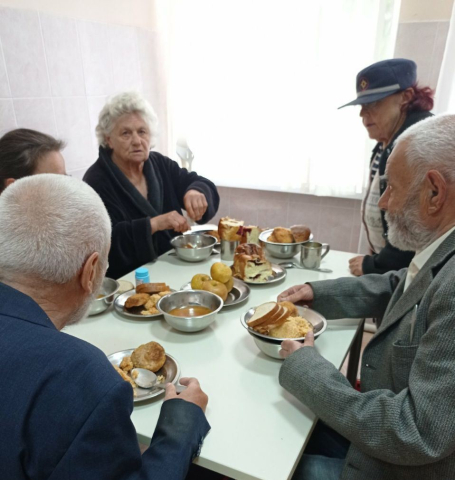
x=332, y=220
x=56, y=72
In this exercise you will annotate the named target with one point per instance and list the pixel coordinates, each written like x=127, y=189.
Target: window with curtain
x=254, y=87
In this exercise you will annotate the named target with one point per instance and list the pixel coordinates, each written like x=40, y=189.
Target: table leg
x=354, y=354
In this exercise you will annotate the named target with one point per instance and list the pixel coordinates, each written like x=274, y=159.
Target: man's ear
x=9, y=181
x=436, y=187
x=88, y=273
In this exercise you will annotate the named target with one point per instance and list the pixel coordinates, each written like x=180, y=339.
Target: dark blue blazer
x=65, y=412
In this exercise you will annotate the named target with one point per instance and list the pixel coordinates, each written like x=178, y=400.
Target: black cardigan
x=133, y=242
x=390, y=258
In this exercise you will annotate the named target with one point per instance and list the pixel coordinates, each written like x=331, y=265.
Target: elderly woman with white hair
x=143, y=191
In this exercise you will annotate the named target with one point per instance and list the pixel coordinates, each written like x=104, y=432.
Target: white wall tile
x=4, y=86
x=63, y=55
x=7, y=119
x=24, y=53
x=438, y=51
x=35, y=113
x=125, y=58
x=73, y=126
x=94, y=40
x=95, y=104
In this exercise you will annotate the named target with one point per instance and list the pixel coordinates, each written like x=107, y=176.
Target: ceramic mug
x=311, y=254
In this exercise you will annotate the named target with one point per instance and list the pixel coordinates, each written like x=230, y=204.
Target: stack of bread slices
x=267, y=317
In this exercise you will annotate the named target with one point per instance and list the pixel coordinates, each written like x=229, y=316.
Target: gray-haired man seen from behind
x=64, y=411
x=400, y=425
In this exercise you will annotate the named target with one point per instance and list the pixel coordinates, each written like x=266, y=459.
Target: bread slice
x=280, y=320
x=229, y=228
x=152, y=288
x=263, y=313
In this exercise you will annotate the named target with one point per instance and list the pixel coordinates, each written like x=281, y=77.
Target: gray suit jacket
x=402, y=423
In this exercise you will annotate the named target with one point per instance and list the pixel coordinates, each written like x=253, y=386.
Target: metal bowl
x=280, y=250
x=186, y=298
x=271, y=346
x=203, y=247
x=105, y=296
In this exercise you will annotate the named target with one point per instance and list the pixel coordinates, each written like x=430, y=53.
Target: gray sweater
x=401, y=425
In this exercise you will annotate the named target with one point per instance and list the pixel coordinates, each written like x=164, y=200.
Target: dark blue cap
x=383, y=79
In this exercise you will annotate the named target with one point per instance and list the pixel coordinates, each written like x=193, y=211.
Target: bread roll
x=228, y=229
x=301, y=233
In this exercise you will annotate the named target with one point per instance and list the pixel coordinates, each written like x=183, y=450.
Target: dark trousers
x=324, y=456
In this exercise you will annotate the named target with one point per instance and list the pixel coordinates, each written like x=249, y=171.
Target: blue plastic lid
x=142, y=272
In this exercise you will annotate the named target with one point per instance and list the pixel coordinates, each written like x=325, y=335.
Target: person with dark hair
x=391, y=101
x=25, y=152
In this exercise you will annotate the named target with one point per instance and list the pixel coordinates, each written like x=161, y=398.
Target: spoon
x=147, y=379
x=296, y=265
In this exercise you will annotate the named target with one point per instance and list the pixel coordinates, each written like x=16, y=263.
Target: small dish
x=193, y=247
x=170, y=370
x=106, y=296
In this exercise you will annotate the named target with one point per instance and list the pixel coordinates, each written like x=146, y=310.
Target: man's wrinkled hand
x=193, y=393
x=355, y=265
x=298, y=293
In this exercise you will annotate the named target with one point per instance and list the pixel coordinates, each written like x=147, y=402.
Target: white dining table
x=258, y=429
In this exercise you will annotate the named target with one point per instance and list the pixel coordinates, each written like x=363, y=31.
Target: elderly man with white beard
x=400, y=424
x=64, y=410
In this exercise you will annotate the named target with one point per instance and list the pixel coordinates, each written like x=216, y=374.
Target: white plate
x=239, y=293
x=170, y=370
x=278, y=274
x=135, y=312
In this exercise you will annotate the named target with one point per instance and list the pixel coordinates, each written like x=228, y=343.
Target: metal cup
x=228, y=249
x=311, y=254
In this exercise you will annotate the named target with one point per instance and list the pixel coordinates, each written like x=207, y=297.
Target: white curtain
x=254, y=87
x=445, y=91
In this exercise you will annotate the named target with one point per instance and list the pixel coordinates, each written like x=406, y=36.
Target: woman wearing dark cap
x=25, y=152
x=391, y=101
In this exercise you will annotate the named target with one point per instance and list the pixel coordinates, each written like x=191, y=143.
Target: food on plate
x=250, y=234
x=137, y=300
x=220, y=272
x=152, y=288
x=150, y=356
x=230, y=284
x=213, y=233
x=301, y=233
x=297, y=233
x=293, y=327
x=281, y=235
x=228, y=229
x=292, y=309
x=124, y=286
x=150, y=306
x=216, y=287
x=250, y=263
x=126, y=364
x=190, y=311
x=279, y=320
x=198, y=280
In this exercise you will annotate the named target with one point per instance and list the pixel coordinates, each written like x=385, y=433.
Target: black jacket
x=390, y=258
x=133, y=242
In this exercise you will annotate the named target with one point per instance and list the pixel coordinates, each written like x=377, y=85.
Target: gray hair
x=121, y=104
x=430, y=145
x=50, y=225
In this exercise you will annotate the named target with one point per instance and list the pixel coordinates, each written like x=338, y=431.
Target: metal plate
x=170, y=370
x=318, y=321
x=278, y=274
x=239, y=293
x=135, y=312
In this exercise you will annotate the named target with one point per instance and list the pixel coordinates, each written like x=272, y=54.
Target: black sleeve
x=388, y=259
x=184, y=181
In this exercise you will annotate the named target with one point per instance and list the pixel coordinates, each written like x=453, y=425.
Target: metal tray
x=239, y=293
x=170, y=370
x=135, y=312
x=279, y=273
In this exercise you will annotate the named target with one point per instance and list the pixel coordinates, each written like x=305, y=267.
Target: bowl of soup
x=190, y=310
